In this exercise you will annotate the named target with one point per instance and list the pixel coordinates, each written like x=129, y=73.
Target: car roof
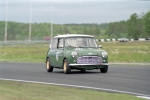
x=73, y=35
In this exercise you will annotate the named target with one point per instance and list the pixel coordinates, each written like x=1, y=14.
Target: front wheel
x=49, y=68
x=83, y=70
x=66, y=67
x=104, y=70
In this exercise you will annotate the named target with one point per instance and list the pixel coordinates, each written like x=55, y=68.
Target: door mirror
x=61, y=46
x=100, y=46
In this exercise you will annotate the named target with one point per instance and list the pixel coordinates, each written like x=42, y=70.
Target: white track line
x=148, y=98
x=85, y=87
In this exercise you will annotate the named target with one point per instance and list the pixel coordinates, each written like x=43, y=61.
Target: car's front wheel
x=49, y=68
x=66, y=67
x=83, y=70
x=104, y=70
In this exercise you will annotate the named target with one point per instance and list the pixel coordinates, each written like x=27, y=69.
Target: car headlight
x=73, y=54
x=104, y=54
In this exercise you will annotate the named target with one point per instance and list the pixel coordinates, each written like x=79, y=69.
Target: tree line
x=20, y=31
x=136, y=27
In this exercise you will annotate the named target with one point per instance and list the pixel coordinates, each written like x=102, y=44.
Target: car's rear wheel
x=104, y=70
x=66, y=67
x=49, y=68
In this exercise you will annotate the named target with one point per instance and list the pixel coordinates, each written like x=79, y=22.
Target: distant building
x=47, y=38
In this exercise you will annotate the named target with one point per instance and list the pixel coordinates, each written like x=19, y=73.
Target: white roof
x=73, y=35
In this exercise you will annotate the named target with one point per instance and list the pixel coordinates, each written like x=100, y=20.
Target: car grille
x=89, y=60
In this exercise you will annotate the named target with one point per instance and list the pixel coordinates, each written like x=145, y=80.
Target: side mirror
x=100, y=46
x=61, y=46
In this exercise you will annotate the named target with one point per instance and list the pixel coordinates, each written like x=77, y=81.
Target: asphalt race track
x=129, y=78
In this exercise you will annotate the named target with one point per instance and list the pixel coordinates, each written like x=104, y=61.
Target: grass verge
x=128, y=51
x=118, y=52
x=10, y=90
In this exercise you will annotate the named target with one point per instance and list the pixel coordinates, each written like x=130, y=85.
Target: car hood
x=87, y=51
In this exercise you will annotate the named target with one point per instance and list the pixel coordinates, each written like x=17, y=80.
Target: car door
x=59, y=52
x=52, y=52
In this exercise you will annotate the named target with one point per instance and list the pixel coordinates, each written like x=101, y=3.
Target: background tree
x=147, y=24
x=132, y=26
x=137, y=26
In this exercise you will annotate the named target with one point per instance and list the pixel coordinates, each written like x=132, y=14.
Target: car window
x=70, y=42
x=60, y=44
x=54, y=44
x=91, y=42
x=80, y=42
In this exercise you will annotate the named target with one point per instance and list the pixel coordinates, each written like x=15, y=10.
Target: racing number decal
x=57, y=53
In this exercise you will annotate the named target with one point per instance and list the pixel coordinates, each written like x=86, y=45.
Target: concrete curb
x=124, y=40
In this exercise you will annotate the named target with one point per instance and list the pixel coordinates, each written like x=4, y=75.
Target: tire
x=66, y=67
x=83, y=70
x=104, y=70
x=49, y=68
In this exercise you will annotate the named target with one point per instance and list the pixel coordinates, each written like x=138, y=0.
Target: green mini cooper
x=76, y=51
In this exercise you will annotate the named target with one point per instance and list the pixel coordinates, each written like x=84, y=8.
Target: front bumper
x=97, y=64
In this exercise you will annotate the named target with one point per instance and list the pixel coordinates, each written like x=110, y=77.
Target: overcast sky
x=71, y=11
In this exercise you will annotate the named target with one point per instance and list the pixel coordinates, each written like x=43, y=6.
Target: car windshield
x=80, y=42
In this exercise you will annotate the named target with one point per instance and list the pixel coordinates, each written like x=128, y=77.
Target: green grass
x=128, y=51
x=10, y=90
x=24, y=53
x=118, y=52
